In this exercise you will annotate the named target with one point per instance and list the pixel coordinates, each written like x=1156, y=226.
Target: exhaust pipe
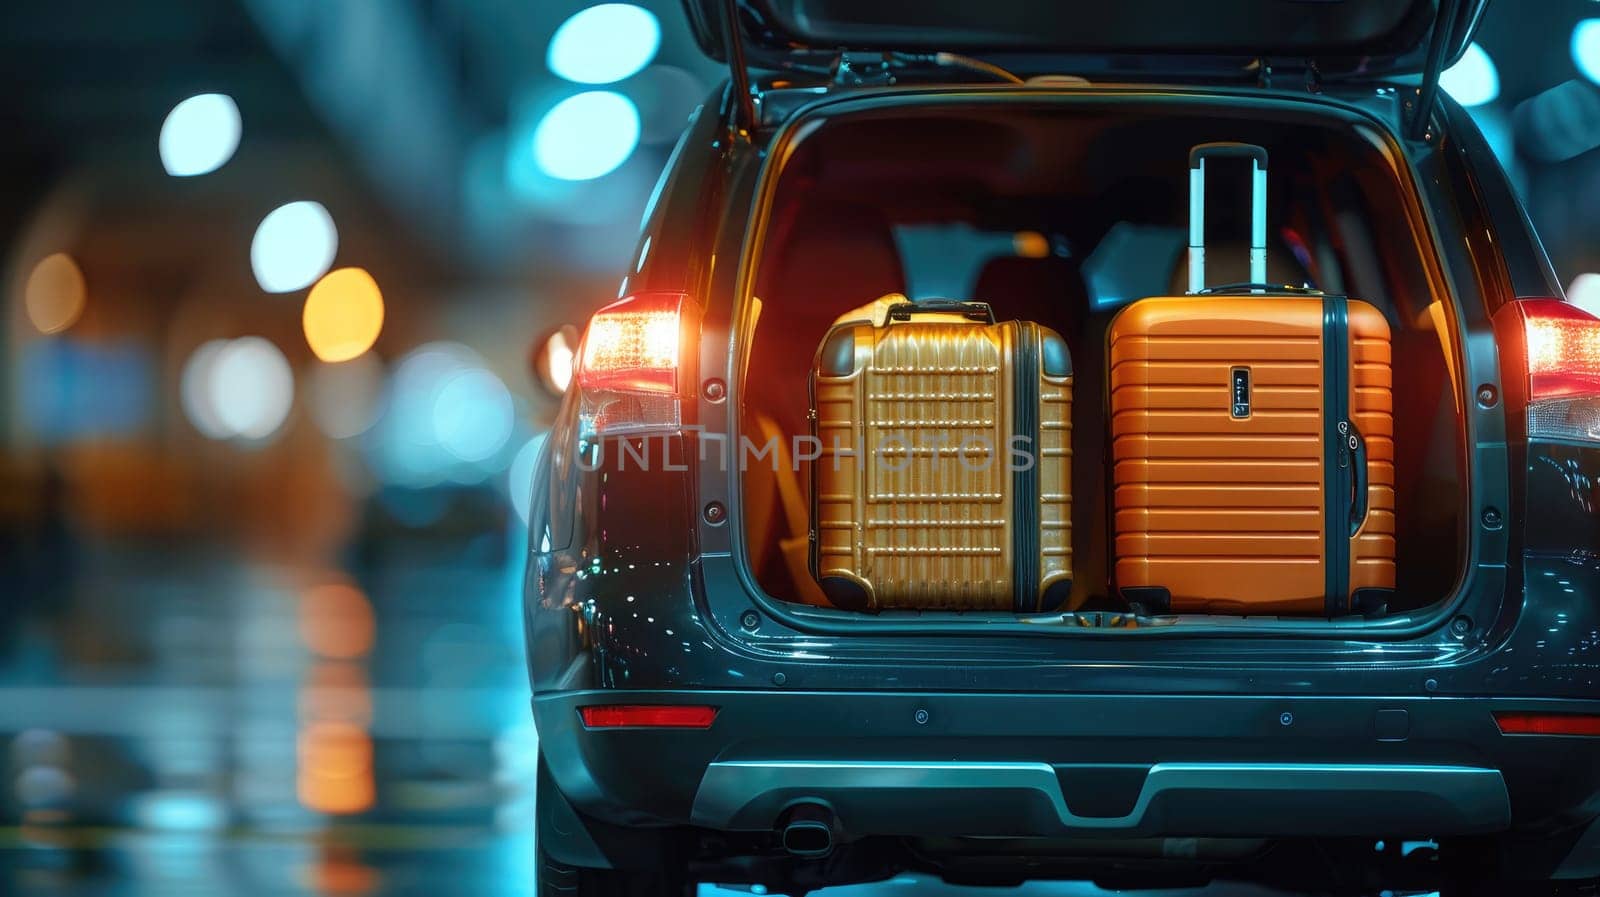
x=808, y=830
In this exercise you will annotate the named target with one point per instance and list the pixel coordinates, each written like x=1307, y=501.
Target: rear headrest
x=832, y=256
x=1031, y=289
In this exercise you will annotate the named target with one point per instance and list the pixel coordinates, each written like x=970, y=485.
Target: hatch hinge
x=744, y=103
x=863, y=69
x=1420, y=107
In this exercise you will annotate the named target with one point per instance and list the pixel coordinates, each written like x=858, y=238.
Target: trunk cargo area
x=1063, y=211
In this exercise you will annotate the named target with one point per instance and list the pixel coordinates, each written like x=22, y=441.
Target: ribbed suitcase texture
x=1236, y=509
x=918, y=499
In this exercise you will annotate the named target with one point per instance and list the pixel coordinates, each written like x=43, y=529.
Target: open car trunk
x=1063, y=210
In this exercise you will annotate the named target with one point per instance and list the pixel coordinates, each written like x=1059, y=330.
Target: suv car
x=705, y=716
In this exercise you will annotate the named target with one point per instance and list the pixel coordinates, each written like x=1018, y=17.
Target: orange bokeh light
x=54, y=295
x=1030, y=244
x=336, y=621
x=343, y=314
x=335, y=768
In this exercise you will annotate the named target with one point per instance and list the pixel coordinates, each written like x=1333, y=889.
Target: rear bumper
x=1030, y=799
x=1078, y=765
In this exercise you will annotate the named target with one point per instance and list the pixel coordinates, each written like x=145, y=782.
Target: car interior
x=1063, y=213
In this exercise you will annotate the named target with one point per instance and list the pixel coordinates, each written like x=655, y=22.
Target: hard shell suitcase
x=1252, y=440
x=945, y=462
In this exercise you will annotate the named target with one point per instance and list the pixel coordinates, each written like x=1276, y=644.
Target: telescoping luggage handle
x=1197, y=208
x=974, y=311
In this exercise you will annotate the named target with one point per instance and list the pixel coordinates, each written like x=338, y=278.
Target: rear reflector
x=1548, y=724
x=648, y=716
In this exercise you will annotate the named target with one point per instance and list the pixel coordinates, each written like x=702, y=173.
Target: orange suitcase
x=1252, y=441
x=945, y=462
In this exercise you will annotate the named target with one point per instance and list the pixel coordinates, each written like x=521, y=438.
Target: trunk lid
x=1224, y=39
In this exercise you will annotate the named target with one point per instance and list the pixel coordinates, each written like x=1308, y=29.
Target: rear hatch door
x=1366, y=39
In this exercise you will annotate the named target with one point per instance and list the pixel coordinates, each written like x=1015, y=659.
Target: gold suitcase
x=940, y=479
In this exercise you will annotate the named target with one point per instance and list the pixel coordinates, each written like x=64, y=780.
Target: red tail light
x=1561, y=356
x=631, y=368
x=1547, y=724
x=648, y=716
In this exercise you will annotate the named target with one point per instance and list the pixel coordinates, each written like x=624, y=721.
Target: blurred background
x=273, y=271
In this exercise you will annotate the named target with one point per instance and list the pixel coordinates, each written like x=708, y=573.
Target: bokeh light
x=604, y=43
x=336, y=621
x=335, y=775
x=251, y=388
x=1586, y=48
x=1584, y=292
x=293, y=246
x=473, y=415
x=345, y=399
x=447, y=417
x=237, y=389
x=1030, y=244
x=343, y=314
x=586, y=136
x=1473, y=80
x=55, y=293
x=40, y=759
x=561, y=353
x=179, y=811
x=199, y=135
x=194, y=390
x=553, y=358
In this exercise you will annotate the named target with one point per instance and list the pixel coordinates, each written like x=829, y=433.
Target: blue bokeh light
x=293, y=246
x=586, y=136
x=473, y=415
x=1473, y=80
x=604, y=44
x=200, y=135
x=446, y=418
x=1586, y=48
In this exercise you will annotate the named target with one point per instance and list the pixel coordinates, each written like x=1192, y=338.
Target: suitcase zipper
x=1338, y=459
x=1025, y=483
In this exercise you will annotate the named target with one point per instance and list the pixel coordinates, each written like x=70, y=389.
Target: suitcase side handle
x=1356, y=449
x=1197, y=208
x=975, y=311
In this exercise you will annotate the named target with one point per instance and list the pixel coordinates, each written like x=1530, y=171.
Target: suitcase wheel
x=1055, y=596
x=846, y=594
